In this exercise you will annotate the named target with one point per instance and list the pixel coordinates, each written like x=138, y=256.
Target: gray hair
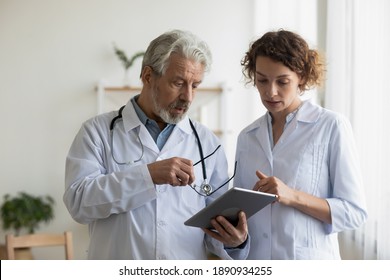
x=180, y=42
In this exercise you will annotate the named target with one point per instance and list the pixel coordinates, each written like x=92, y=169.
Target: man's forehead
x=179, y=65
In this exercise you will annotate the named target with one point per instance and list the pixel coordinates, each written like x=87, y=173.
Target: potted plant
x=26, y=212
x=126, y=61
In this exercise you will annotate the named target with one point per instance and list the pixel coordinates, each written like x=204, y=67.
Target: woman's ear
x=301, y=84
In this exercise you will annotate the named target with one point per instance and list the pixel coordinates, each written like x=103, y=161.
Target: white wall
x=52, y=54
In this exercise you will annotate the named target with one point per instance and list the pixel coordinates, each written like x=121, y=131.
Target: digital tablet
x=229, y=205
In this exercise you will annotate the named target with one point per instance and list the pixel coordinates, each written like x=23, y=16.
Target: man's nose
x=187, y=93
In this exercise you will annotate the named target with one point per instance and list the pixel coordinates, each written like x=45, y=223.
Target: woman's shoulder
x=315, y=112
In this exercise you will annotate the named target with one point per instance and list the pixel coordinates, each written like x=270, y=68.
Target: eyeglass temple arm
x=234, y=174
x=199, y=161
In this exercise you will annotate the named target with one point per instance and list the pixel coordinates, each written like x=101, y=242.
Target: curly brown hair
x=290, y=49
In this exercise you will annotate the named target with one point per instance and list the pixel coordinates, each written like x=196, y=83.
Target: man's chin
x=176, y=118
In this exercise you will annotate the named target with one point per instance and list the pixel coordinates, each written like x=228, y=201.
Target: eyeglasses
x=205, y=189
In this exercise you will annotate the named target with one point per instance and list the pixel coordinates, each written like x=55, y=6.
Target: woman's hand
x=311, y=205
x=274, y=185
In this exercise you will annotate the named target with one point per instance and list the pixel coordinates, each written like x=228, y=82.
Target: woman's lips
x=273, y=103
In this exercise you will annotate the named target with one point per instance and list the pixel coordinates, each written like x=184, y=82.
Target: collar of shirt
x=289, y=118
x=160, y=137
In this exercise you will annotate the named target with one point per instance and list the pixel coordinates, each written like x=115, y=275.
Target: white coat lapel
x=287, y=136
x=131, y=121
x=173, y=141
x=262, y=135
x=178, y=135
x=147, y=139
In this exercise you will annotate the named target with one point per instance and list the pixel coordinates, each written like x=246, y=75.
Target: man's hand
x=225, y=232
x=173, y=171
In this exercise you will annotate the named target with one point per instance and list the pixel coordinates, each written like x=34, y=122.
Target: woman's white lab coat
x=316, y=154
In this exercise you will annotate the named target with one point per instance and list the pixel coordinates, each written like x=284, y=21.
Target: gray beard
x=166, y=117
x=164, y=114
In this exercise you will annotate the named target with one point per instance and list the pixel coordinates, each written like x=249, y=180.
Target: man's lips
x=179, y=109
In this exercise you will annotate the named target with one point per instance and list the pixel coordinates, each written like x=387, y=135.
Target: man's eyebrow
x=179, y=77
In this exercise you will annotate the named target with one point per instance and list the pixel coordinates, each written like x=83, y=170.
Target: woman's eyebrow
x=280, y=76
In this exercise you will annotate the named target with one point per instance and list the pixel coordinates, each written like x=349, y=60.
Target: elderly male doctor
x=128, y=173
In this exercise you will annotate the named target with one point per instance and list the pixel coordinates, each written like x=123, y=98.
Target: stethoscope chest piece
x=206, y=188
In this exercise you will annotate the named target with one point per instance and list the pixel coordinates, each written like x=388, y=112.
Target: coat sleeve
x=347, y=202
x=90, y=192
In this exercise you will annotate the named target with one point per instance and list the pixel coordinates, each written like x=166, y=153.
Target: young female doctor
x=299, y=151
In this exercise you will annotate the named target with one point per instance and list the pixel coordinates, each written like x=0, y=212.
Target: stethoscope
x=205, y=186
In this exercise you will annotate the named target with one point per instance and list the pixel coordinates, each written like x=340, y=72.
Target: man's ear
x=147, y=75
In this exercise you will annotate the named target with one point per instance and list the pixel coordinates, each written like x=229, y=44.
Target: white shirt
x=315, y=154
x=129, y=217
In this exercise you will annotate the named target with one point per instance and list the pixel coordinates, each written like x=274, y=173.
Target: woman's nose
x=271, y=90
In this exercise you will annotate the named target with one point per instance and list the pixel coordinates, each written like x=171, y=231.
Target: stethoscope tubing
x=200, y=148
x=200, y=151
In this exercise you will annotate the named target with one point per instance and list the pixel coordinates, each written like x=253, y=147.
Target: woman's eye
x=262, y=81
x=283, y=82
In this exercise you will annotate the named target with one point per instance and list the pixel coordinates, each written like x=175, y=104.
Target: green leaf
x=126, y=61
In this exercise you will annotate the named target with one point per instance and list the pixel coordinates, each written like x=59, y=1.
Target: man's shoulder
x=204, y=130
x=101, y=120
